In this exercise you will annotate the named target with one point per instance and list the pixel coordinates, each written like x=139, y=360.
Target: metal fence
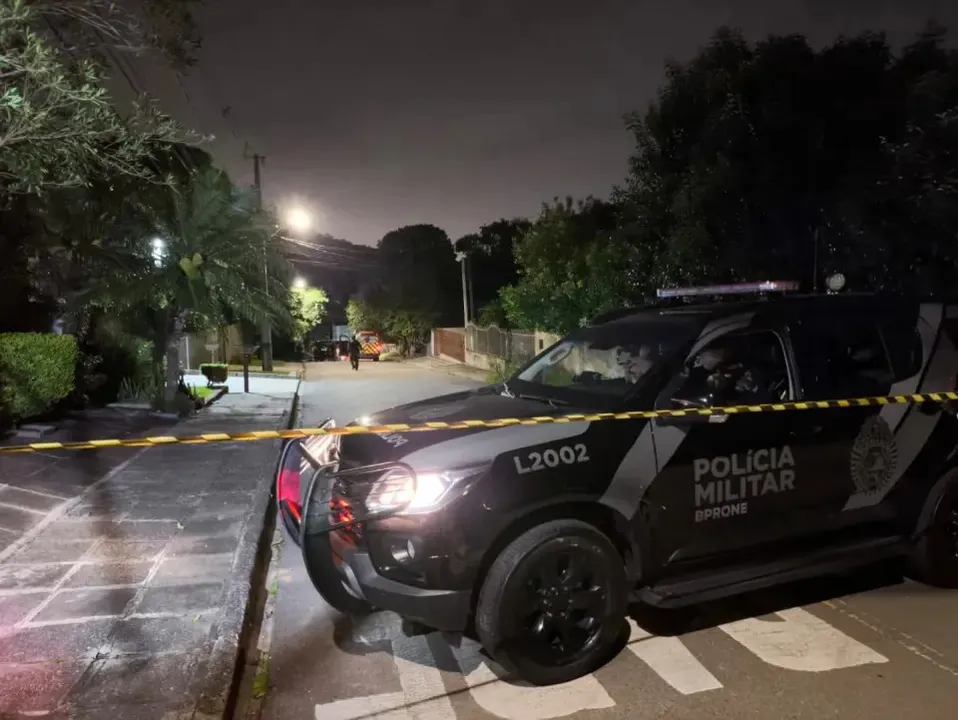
x=505, y=344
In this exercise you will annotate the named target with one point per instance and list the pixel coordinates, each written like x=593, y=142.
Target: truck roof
x=791, y=304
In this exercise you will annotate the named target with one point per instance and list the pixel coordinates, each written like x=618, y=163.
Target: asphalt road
x=868, y=647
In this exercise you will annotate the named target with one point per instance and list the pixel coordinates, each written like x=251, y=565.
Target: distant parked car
x=324, y=350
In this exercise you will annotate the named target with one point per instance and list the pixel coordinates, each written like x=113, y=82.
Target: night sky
x=381, y=113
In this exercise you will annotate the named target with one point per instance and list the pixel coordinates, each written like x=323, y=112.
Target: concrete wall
x=479, y=360
x=544, y=340
x=523, y=343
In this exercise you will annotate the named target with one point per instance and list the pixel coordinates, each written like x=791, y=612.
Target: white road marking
x=671, y=661
x=423, y=695
x=801, y=641
x=516, y=701
x=798, y=641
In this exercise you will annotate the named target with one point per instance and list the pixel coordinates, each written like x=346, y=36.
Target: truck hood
x=442, y=449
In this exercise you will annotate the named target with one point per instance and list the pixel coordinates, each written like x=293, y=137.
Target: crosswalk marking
x=423, y=695
x=792, y=639
x=671, y=661
x=801, y=641
x=519, y=701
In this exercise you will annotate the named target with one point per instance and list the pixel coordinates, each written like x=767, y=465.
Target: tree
x=58, y=126
x=213, y=242
x=362, y=315
x=573, y=265
x=308, y=308
x=774, y=160
x=404, y=326
x=418, y=272
x=97, y=28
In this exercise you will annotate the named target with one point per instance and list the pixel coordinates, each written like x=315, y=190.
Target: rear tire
x=559, y=583
x=934, y=559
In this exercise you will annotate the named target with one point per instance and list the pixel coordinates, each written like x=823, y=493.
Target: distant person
x=354, y=351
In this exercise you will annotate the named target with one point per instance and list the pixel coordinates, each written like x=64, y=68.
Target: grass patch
x=204, y=392
x=261, y=681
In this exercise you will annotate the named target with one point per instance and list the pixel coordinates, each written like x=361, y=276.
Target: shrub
x=215, y=372
x=37, y=370
x=138, y=389
x=502, y=369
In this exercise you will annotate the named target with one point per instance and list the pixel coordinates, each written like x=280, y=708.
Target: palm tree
x=206, y=253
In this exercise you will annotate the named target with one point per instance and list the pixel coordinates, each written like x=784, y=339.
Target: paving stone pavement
x=111, y=603
x=32, y=485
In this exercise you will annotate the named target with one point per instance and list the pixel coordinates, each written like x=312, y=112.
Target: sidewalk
x=129, y=601
x=32, y=485
x=452, y=368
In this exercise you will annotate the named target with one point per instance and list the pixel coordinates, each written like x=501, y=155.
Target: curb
x=261, y=374
x=228, y=654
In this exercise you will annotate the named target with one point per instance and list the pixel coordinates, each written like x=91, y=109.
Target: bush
x=215, y=372
x=113, y=366
x=37, y=370
x=502, y=369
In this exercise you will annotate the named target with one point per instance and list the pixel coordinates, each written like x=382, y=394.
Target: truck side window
x=843, y=361
x=904, y=349
x=739, y=369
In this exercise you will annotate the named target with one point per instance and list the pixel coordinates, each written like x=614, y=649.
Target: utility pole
x=461, y=257
x=266, y=331
x=472, y=299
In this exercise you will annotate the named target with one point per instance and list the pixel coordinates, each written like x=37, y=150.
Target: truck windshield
x=605, y=362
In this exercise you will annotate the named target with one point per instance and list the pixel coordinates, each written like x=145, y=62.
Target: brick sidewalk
x=113, y=604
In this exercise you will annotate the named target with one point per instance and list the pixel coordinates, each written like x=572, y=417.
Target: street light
x=299, y=283
x=159, y=251
x=299, y=220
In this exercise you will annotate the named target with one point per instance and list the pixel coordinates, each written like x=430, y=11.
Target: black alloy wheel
x=934, y=560
x=552, y=607
x=563, y=607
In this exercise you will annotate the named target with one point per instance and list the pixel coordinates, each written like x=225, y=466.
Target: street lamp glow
x=299, y=220
x=159, y=251
x=299, y=283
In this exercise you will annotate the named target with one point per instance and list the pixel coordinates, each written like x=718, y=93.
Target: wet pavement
x=869, y=647
x=125, y=597
x=34, y=484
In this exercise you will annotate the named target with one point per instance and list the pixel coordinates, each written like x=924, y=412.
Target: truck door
x=848, y=357
x=736, y=482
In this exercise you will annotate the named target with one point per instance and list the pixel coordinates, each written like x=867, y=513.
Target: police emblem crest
x=874, y=457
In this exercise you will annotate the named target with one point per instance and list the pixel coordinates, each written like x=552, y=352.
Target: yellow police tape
x=207, y=438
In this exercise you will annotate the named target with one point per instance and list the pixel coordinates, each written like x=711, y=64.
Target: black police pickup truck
x=534, y=538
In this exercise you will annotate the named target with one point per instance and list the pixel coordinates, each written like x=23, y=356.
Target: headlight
x=400, y=492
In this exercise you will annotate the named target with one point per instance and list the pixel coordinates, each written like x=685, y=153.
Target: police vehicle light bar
x=734, y=289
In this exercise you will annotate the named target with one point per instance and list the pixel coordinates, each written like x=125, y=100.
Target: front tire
x=934, y=559
x=552, y=606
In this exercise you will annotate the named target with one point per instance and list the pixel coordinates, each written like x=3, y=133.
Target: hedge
x=215, y=372
x=37, y=370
